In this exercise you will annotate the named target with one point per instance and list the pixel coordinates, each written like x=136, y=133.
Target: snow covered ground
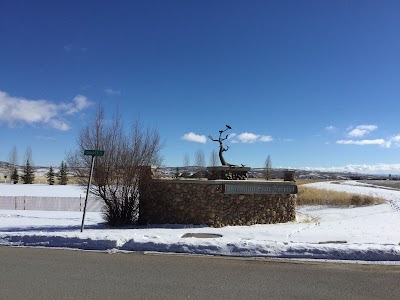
x=365, y=233
x=41, y=190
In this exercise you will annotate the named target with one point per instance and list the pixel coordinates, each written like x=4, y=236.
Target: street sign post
x=93, y=153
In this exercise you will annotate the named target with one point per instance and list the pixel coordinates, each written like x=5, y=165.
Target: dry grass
x=313, y=196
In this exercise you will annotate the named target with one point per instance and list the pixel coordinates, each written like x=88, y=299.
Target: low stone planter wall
x=216, y=202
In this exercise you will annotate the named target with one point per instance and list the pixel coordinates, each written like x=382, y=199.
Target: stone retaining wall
x=168, y=201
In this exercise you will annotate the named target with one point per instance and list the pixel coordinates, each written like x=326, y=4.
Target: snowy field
x=362, y=234
x=46, y=197
x=41, y=190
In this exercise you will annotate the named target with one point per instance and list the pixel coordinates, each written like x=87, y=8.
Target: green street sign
x=94, y=152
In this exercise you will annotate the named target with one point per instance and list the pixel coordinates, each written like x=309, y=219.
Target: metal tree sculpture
x=222, y=149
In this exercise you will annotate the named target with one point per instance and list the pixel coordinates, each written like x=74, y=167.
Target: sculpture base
x=227, y=173
x=288, y=175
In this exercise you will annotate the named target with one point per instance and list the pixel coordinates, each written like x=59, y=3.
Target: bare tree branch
x=116, y=174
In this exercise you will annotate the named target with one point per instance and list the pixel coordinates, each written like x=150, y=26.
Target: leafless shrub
x=200, y=162
x=116, y=174
x=213, y=158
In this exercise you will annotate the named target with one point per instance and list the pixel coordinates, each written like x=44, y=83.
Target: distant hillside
x=170, y=172
x=4, y=165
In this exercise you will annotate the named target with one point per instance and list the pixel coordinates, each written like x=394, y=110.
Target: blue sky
x=310, y=83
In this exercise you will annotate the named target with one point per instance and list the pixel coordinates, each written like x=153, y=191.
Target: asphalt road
x=33, y=273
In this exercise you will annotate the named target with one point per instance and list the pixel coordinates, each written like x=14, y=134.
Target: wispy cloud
x=68, y=48
x=248, y=137
x=78, y=104
x=265, y=138
x=330, y=128
x=361, y=130
x=193, y=137
x=362, y=142
x=17, y=110
x=112, y=92
x=74, y=48
x=393, y=141
x=363, y=168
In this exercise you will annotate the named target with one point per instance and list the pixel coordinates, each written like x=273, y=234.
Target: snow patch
x=361, y=233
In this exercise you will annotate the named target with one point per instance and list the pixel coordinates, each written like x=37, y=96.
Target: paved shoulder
x=32, y=273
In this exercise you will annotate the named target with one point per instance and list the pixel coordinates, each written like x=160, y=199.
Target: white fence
x=49, y=203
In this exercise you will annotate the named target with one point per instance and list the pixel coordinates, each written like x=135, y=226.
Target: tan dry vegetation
x=313, y=196
x=42, y=179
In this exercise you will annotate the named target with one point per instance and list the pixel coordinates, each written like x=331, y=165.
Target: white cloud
x=231, y=136
x=247, y=137
x=393, y=141
x=362, y=142
x=250, y=138
x=60, y=125
x=15, y=110
x=362, y=130
x=79, y=103
x=112, y=92
x=193, y=137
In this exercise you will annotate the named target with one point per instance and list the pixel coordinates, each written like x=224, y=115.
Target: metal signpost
x=93, y=153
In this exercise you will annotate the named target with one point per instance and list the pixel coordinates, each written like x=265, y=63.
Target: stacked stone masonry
x=167, y=201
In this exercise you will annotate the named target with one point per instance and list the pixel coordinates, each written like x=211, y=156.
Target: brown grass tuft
x=313, y=196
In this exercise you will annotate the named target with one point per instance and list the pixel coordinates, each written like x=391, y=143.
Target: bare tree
x=13, y=156
x=200, y=161
x=268, y=166
x=186, y=161
x=186, y=165
x=28, y=155
x=213, y=158
x=116, y=174
x=12, y=162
